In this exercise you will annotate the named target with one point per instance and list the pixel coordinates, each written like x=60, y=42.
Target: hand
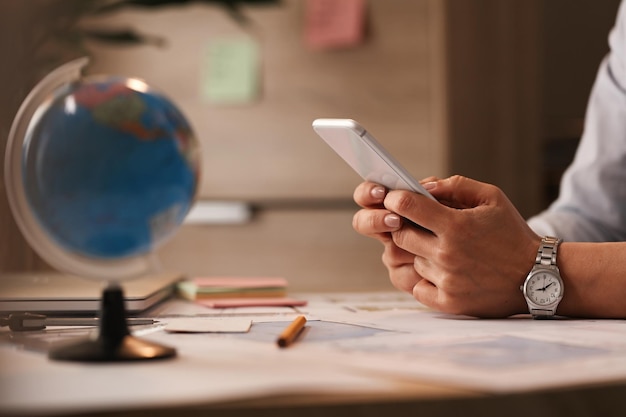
x=476, y=257
x=377, y=222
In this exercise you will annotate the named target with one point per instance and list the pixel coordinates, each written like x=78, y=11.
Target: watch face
x=544, y=288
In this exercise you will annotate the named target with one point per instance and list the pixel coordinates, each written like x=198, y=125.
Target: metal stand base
x=114, y=342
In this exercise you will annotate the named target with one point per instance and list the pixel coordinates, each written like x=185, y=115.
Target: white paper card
x=208, y=325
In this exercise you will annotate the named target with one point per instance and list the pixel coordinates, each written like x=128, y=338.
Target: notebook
x=52, y=292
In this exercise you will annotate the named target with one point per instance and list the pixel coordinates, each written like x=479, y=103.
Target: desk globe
x=100, y=171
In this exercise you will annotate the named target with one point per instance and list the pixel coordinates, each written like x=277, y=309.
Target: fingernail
x=378, y=192
x=392, y=220
x=430, y=185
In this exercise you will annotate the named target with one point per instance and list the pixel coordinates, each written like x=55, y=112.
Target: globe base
x=114, y=342
x=129, y=349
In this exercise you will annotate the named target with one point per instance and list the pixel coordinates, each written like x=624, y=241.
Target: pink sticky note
x=334, y=23
x=252, y=302
x=240, y=282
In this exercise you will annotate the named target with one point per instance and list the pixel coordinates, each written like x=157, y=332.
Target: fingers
x=373, y=220
x=400, y=265
x=404, y=278
x=426, y=293
x=452, y=193
x=461, y=192
x=429, y=179
x=369, y=195
x=377, y=223
x=423, y=211
x=426, y=290
x=435, y=291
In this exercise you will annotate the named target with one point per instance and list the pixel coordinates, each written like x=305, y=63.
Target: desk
x=366, y=354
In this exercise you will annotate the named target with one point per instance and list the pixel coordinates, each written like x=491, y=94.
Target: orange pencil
x=291, y=332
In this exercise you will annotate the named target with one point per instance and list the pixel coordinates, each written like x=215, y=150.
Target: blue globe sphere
x=110, y=167
x=99, y=172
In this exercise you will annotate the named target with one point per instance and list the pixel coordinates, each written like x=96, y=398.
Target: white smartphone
x=365, y=155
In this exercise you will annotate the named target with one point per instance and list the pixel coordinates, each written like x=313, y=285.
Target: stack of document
x=220, y=292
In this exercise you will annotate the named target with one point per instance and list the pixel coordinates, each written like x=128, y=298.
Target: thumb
x=461, y=192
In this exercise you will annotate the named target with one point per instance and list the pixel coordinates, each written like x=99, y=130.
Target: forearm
x=588, y=207
x=594, y=276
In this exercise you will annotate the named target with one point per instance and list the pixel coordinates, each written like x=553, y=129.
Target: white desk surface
x=381, y=349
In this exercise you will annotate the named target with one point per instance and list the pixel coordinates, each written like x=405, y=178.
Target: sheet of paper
x=333, y=24
x=506, y=355
x=231, y=71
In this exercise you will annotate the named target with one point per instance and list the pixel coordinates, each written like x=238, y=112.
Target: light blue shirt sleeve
x=592, y=202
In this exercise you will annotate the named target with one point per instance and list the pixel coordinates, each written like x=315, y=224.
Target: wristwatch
x=543, y=287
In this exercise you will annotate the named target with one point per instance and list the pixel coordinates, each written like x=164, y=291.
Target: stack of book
x=220, y=292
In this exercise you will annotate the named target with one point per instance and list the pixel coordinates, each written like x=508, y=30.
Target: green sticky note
x=231, y=71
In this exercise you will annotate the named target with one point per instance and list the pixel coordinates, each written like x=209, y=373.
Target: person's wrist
x=543, y=287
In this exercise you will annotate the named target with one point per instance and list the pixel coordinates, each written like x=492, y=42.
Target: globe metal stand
x=113, y=343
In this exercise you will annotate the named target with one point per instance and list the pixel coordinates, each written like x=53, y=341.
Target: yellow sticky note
x=333, y=24
x=231, y=73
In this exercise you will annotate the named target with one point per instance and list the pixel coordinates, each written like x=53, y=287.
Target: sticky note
x=330, y=24
x=231, y=71
x=208, y=325
x=252, y=302
x=240, y=282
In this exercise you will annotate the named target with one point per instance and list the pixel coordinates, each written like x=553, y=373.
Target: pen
x=291, y=332
x=28, y=321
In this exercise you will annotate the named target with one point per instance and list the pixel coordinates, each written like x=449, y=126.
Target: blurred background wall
x=26, y=29
x=491, y=89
